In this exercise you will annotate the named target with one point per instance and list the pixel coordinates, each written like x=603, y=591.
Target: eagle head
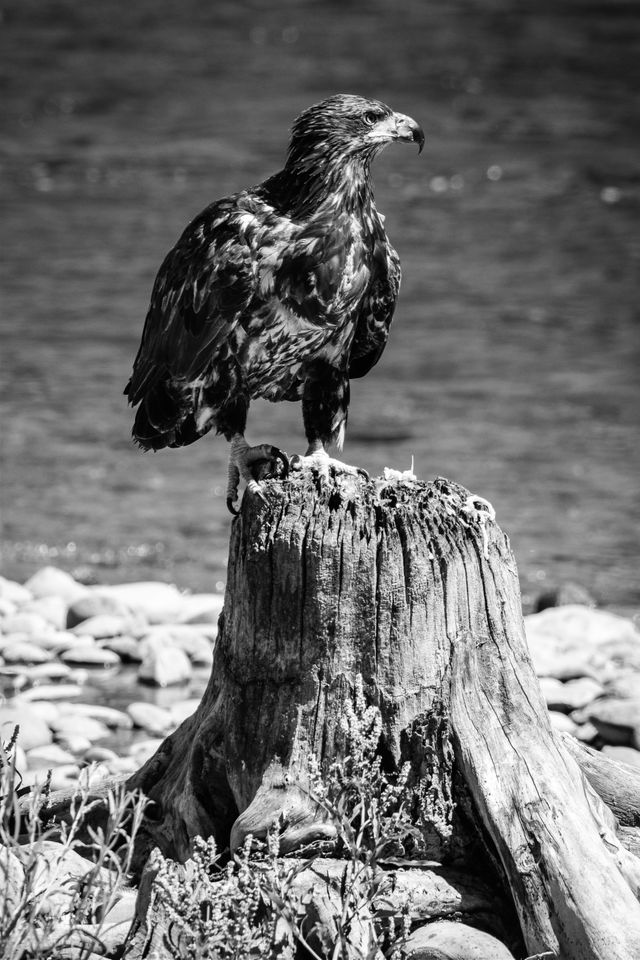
x=346, y=126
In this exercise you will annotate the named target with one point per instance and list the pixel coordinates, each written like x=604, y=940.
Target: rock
x=91, y=776
x=58, y=640
x=14, y=592
x=108, y=715
x=12, y=882
x=63, y=777
x=75, y=743
x=94, y=604
x=627, y=755
x=574, y=694
x=90, y=655
x=45, y=709
x=51, y=755
x=446, y=940
x=551, y=689
x=29, y=624
x=90, y=728
x=51, y=582
x=124, y=909
x=52, y=609
x=104, y=625
x=34, y=732
x=47, y=671
x=575, y=641
x=183, y=709
x=586, y=732
x=566, y=594
x=157, y=602
x=165, y=666
x=121, y=765
x=154, y=720
x=56, y=872
x=615, y=720
x=143, y=750
x=202, y=608
x=625, y=687
x=100, y=755
x=52, y=691
x=7, y=608
x=127, y=648
x=561, y=723
x=198, y=649
x=25, y=652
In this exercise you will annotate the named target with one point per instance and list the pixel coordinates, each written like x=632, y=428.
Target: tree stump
x=413, y=587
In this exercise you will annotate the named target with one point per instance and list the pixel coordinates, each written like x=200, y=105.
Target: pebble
x=75, y=743
x=52, y=609
x=34, y=731
x=63, y=777
x=50, y=755
x=561, y=723
x=49, y=581
x=157, y=602
x=183, y=709
x=29, y=624
x=154, y=720
x=103, y=626
x=22, y=651
x=107, y=715
x=7, y=608
x=127, y=648
x=201, y=608
x=143, y=750
x=99, y=755
x=571, y=695
x=90, y=728
x=14, y=592
x=626, y=686
x=586, y=732
x=90, y=655
x=94, y=604
x=165, y=666
x=614, y=719
x=45, y=709
x=52, y=691
x=53, y=670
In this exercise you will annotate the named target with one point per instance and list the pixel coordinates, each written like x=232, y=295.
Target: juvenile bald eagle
x=283, y=291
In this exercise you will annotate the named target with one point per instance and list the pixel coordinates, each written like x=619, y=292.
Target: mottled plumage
x=283, y=291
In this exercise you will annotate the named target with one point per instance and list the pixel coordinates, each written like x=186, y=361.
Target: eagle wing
x=204, y=284
x=374, y=321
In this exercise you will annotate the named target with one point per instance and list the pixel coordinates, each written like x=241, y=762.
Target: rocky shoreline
x=60, y=639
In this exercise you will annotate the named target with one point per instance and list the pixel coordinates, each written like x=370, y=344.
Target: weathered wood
x=414, y=588
x=618, y=784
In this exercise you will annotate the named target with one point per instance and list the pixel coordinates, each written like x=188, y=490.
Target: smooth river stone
x=25, y=652
x=47, y=671
x=562, y=723
x=575, y=694
x=154, y=720
x=143, y=750
x=34, y=732
x=616, y=720
x=94, y=605
x=183, y=709
x=70, y=724
x=50, y=755
x=165, y=666
x=29, y=624
x=15, y=592
x=447, y=940
x=52, y=609
x=52, y=691
x=103, y=626
x=90, y=655
x=626, y=686
x=201, y=608
x=157, y=602
x=127, y=648
x=51, y=582
x=109, y=715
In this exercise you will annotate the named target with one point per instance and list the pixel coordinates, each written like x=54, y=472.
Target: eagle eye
x=370, y=118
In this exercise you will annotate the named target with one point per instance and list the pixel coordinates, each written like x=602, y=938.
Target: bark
x=413, y=587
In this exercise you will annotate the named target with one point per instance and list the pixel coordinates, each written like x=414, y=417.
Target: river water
x=513, y=362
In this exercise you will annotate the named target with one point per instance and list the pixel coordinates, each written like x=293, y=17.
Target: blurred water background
x=513, y=365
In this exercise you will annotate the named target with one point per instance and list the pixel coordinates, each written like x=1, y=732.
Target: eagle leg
x=318, y=460
x=241, y=461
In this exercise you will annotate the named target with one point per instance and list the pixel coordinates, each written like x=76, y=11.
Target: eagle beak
x=408, y=130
